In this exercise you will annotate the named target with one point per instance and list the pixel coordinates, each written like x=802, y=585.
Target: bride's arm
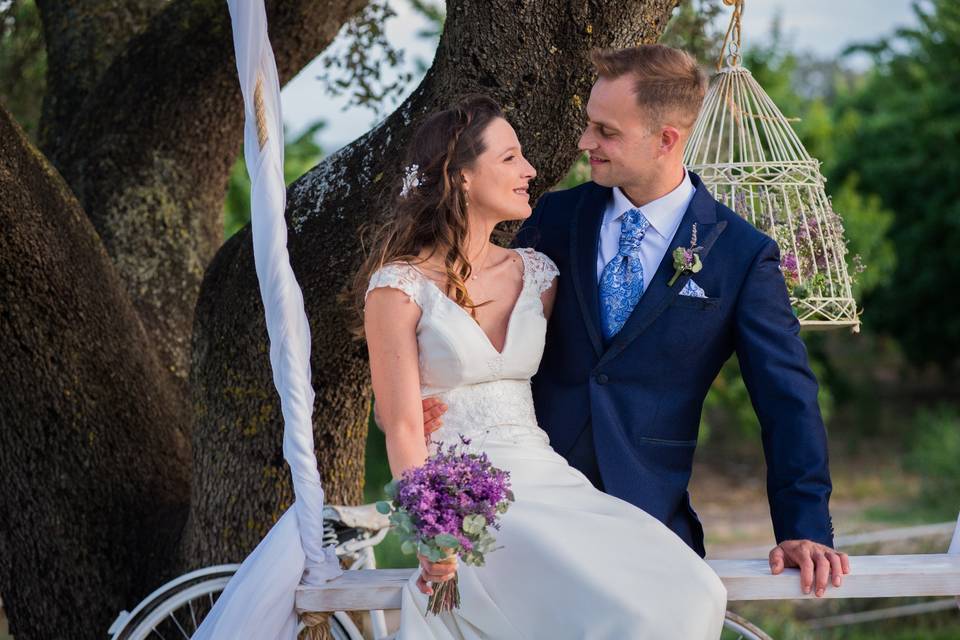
x=390, y=324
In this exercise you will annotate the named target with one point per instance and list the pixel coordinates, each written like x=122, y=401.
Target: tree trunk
x=94, y=413
x=94, y=458
x=533, y=57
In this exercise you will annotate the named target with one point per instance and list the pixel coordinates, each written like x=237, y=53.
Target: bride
x=448, y=313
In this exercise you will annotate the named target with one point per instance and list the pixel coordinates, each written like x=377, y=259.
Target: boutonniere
x=687, y=259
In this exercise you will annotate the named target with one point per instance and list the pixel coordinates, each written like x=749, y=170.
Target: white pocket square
x=693, y=290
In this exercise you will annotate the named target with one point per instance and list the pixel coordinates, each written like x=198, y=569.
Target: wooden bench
x=870, y=577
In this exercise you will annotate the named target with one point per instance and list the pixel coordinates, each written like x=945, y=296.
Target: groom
x=632, y=347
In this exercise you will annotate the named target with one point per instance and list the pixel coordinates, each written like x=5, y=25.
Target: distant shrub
x=935, y=457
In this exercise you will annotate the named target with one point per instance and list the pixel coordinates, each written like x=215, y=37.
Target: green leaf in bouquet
x=446, y=541
x=384, y=507
x=474, y=523
x=510, y=496
x=408, y=547
x=485, y=544
x=391, y=489
x=401, y=520
x=431, y=552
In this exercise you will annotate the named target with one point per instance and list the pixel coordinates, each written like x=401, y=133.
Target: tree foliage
x=899, y=136
x=23, y=62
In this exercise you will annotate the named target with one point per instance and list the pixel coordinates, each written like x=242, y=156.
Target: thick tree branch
x=93, y=441
x=83, y=39
x=533, y=57
x=150, y=147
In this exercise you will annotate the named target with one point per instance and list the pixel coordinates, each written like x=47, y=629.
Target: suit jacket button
x=602, y=379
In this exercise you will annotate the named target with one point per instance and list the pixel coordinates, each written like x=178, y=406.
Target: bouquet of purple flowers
x=445, y=507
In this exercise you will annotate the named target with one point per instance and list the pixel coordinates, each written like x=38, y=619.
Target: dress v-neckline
x=473, y=321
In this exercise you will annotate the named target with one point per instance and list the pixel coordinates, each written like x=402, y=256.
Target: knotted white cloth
x=258, y=602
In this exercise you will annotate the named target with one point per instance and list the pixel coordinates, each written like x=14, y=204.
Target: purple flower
x=789, y=264
x=450, y=487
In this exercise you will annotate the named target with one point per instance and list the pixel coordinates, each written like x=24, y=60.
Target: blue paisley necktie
x=621, y=281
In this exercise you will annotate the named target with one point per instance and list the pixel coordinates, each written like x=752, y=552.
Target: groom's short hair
x=669, y=82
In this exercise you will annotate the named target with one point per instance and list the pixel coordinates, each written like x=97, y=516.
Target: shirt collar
x=664, y=213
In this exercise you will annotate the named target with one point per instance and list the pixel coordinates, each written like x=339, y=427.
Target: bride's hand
x=434, y=572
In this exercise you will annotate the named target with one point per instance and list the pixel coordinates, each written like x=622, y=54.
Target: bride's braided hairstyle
x=431, y=215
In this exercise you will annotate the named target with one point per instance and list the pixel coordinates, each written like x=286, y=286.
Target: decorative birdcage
x=750, y=158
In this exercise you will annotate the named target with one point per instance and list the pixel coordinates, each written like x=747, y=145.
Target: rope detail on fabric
x=261, y=111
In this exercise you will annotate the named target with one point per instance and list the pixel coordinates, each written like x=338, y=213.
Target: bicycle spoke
x=192, y=616
x=172, y=615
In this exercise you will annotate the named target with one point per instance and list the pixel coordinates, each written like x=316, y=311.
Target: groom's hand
x=433, y=411
x=816, y=563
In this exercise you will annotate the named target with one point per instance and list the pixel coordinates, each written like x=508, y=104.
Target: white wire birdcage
x=750, y=158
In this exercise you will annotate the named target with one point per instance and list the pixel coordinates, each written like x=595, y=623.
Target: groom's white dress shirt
x=664, y=215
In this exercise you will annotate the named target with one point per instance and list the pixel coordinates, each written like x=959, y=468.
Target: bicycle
x=177, y=608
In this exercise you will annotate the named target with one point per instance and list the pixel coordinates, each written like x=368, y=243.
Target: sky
x=823, y=27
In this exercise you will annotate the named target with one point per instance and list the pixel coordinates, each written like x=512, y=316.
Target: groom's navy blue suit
x=627, y=413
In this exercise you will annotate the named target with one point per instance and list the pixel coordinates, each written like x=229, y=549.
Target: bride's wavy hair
x=432, y=214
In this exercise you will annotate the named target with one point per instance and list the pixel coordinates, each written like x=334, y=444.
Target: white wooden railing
x=870, y=577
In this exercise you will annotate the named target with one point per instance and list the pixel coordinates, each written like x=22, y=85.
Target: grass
x=786, y=620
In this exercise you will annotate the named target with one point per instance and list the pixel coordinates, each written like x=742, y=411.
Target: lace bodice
x=482, y=387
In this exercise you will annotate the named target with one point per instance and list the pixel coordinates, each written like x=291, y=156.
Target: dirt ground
x=871, y=491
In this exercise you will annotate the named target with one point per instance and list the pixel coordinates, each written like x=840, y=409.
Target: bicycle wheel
x=176, y=609
x=738, y=628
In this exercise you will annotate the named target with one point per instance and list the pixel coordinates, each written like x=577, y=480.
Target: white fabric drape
x=258, y=603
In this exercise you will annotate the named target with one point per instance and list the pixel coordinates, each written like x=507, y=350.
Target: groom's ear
x=669, y=139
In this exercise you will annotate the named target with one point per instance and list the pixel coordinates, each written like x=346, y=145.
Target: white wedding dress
x=575, y=562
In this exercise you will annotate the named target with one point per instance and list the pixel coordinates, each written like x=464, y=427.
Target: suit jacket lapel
x=657, y=295
x=584, y=242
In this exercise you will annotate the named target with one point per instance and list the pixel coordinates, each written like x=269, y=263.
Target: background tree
x=898, y=124
x=138, y=414
x=23, y=62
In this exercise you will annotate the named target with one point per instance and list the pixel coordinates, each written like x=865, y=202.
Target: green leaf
x=446, y=540
x=432, y=553
x=474, y=524
x=390, y=489
x=384, y=507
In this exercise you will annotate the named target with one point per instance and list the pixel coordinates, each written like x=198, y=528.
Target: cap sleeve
x=542, y=270
x=397, y=276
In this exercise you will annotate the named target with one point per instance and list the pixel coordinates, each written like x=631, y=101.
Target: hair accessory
x=411, y=179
